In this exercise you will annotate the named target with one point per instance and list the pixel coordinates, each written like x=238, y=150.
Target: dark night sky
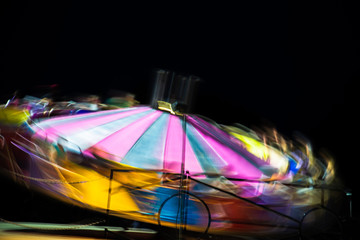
x=291, y=65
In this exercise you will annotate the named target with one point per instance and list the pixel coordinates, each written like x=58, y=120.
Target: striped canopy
x=148, y=138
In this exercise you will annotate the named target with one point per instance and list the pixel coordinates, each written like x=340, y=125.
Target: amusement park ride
x=164, y=167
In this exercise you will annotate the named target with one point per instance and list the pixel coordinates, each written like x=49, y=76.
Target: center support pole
x=182, y=191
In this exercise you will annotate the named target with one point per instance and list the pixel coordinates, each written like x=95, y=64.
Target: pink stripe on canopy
x=174, y=148
x=65, y=125
x=60, y=120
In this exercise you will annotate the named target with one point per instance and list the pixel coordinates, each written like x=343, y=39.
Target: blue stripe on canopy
x=148, y=151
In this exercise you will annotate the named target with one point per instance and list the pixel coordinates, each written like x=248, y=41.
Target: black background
x=290, y=65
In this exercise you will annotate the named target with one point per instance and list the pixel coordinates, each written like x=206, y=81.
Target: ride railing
x=304, y=224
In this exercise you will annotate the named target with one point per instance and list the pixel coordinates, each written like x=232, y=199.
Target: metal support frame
x=266, y=208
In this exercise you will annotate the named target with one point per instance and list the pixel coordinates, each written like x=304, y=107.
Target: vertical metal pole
x=349, y=195
x=182, y=194
x=109, y=196
x=186, y=199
